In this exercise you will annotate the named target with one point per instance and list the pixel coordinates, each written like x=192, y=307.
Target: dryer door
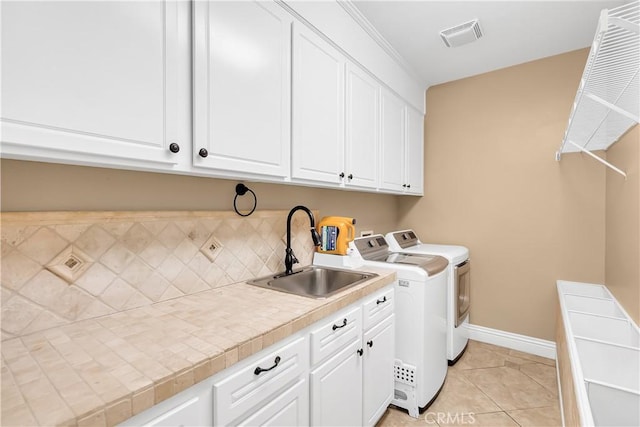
x=462, y=276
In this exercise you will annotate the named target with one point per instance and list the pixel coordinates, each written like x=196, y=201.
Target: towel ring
x=241, y=190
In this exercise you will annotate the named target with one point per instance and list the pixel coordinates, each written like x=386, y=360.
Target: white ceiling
x=514, y=32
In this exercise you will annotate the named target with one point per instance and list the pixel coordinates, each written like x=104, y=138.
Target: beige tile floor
x=491, y=386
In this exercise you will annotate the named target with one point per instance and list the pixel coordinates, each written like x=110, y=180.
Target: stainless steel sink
x=313, y=281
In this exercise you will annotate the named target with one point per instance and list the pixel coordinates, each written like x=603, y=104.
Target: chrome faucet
x=290, y=258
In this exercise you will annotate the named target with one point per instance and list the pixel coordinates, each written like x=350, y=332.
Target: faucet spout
x=290, y=258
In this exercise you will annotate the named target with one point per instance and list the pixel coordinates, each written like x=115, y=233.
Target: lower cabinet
x=377, y=374
x=288, y=408
x=191, y=407
x=336, y=389
x=185, y=414
x=247, y=391
x=338, y=371
x=353, y=384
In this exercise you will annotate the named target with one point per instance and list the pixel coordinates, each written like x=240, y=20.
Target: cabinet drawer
x=250, y=387
x=290, y=408
x=182, y=415
x=378, y=308
x=335, y=333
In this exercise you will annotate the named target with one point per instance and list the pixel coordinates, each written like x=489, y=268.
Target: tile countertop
x=102, y=371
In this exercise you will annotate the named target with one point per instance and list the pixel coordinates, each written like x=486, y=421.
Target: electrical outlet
x=366, y=233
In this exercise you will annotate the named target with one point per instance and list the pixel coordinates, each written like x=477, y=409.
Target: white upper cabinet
x=362, y=128
x=318, y=108
x=286, y=92
x=393, y=134
x=402, y=145
x=91, y=82
x=415, y=152
x=242, y=84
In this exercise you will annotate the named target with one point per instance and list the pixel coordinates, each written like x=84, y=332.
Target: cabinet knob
x=350, y=176
x=370, y=343
x=341, y=175
x=404, y=185
x=360, y=352
x=408, y=185
x=203, y=152
x=174, y=148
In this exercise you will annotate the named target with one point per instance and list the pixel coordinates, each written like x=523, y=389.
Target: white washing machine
x=420, y=307
x=458, y=292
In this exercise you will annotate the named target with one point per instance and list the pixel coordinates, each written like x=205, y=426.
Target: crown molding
x=368, y=27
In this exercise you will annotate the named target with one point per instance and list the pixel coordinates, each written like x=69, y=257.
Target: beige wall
x=492, y=184
x=33, y=186
x=622, y=258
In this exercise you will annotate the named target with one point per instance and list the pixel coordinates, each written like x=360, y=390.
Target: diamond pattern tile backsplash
x=60, y=267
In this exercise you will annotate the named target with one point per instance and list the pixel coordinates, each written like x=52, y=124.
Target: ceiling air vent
x=461, y=34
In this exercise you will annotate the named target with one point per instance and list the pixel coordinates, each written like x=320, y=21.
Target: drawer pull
x=260, y=370
x=344, y=323
x=380, y=301
x=370, y=343
x=360, y=352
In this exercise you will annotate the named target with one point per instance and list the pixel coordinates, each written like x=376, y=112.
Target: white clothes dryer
x=458, y=288
x=420, y=307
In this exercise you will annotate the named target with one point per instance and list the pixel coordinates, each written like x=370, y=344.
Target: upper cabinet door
x=242, y=84
x=91, y=82
x=393, y=134
x=362, y=128
x=415, y=152
x=318, y=108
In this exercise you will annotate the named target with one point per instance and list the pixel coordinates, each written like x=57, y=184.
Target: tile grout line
x=482, y=391
x=13, y=378
x=514, y=420
x=51, y=383
x=538, y=382
x=505, y=366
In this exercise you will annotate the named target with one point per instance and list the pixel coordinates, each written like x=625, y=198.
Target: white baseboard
x=513, y=341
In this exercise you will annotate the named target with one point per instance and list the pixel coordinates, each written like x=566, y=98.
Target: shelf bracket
x=623, y=23
x=613, y=107
x=603, y=161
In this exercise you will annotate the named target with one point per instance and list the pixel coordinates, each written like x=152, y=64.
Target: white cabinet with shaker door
x=241, y=87
x=81, y=83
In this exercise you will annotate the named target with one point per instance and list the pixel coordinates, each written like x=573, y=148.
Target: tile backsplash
x=60, y=267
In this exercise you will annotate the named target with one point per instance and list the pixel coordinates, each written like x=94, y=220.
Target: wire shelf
x=607, y=103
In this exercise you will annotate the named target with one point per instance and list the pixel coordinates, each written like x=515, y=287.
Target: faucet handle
x=294, y=260
x=315, y=236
